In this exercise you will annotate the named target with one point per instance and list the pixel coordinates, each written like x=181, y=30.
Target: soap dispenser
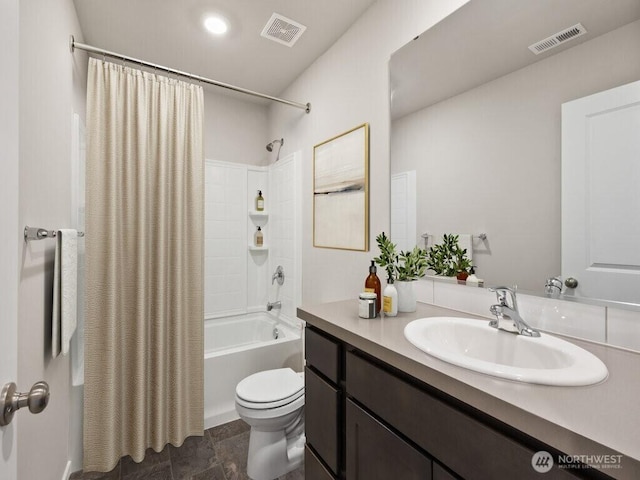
x=473, y=280
x=258, y=238
x=372, y=284
x=259, y=202
x=390, y=299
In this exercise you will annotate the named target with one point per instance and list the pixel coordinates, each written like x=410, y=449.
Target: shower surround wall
x=285, y=233
x=238, y=275
x=225, y=253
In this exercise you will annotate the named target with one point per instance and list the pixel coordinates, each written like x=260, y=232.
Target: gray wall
x=235, y=128
x=51, y=88
x=347, y=86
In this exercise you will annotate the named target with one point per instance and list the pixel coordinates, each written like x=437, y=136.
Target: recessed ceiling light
x=216, y=25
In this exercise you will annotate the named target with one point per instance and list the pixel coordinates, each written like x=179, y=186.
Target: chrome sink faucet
x=507, y=316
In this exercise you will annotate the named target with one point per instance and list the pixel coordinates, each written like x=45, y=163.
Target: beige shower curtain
x=144, y=253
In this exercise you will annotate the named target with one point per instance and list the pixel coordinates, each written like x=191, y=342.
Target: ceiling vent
x=283, y=30
x=558, y=39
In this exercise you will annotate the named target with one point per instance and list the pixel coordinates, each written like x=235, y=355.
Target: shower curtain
x=144, y=254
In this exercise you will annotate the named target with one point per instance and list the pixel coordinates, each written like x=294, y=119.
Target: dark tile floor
x=220, y=455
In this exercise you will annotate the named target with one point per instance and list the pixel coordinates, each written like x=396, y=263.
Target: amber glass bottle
x=372, y=284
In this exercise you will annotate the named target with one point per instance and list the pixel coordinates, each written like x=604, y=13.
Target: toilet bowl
x=272, y=403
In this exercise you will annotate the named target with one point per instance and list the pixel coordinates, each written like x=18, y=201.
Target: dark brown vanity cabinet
x=323, y=406
x=367, y=421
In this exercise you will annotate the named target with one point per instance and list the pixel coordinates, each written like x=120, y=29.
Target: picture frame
x=341, y=191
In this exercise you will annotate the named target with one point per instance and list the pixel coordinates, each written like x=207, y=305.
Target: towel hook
x=425, y=236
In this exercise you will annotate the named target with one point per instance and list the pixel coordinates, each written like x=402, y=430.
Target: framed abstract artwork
x=341, y=191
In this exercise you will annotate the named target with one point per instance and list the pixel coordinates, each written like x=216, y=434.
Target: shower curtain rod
x=88, y=48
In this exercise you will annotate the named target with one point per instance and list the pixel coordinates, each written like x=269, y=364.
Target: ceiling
x=486, y=39
x=171, y=33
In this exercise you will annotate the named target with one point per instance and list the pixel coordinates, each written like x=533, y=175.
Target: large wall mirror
x=476, y=137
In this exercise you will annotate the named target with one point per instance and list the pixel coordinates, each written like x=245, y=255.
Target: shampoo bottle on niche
x=259, y=202
x=390, y=299
x=372, y=284
x=258, y=238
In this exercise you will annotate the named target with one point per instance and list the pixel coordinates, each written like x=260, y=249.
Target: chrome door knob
x=38, y=397
x=11, y=401
x=571, y=282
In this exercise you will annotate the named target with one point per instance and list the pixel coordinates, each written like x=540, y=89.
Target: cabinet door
x=322, y=417
x=323, y=354
x=313, y=468
x=375, y=453
x=439, y=473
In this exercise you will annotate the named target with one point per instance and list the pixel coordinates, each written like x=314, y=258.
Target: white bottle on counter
x=390, y=299
x=473, y=280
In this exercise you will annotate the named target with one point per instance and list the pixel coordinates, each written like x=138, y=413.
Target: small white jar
x=367, y=305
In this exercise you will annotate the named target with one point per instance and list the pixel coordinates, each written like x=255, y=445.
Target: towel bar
x=35, y=233
x=480, y=236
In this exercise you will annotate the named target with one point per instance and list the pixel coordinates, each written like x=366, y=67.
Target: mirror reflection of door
x=403, y=210
x=601, y=193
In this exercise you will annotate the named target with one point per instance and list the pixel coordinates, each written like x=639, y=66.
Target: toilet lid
x=270, y=386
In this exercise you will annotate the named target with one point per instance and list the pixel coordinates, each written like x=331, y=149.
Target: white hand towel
x=65, y=291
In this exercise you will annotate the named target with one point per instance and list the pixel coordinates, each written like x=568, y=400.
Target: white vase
x=406, y=296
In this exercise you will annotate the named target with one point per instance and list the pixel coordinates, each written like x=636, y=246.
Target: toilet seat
x=272, y=404
x=270, y=389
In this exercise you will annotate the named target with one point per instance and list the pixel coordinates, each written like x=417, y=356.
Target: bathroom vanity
x=379, y=408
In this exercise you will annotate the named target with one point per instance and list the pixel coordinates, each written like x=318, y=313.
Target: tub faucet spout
x=272, y=305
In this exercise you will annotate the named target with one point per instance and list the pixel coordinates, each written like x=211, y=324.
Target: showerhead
x=270, y=145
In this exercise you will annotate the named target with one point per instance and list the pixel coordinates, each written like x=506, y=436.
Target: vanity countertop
x=600, y=419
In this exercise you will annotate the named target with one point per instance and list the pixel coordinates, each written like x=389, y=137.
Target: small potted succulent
x=403, y=269
x=448, y=259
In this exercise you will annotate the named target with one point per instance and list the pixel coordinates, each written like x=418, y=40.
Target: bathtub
x=237, y=346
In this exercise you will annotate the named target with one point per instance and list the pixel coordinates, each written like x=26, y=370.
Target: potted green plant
x=388, y=258
x=402, y=269
x=462, y=264
x=448, y=259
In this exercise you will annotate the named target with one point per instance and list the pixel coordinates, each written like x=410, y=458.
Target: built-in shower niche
x=258, y=258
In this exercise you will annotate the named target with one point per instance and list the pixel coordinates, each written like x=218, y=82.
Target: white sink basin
x=473, y=344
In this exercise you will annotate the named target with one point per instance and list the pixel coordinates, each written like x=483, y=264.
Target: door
x=403, y=210
x=9, y=230
x=374, y=452
x=600, y=193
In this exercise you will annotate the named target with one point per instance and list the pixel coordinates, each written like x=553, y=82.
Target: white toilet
x=272, y=403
